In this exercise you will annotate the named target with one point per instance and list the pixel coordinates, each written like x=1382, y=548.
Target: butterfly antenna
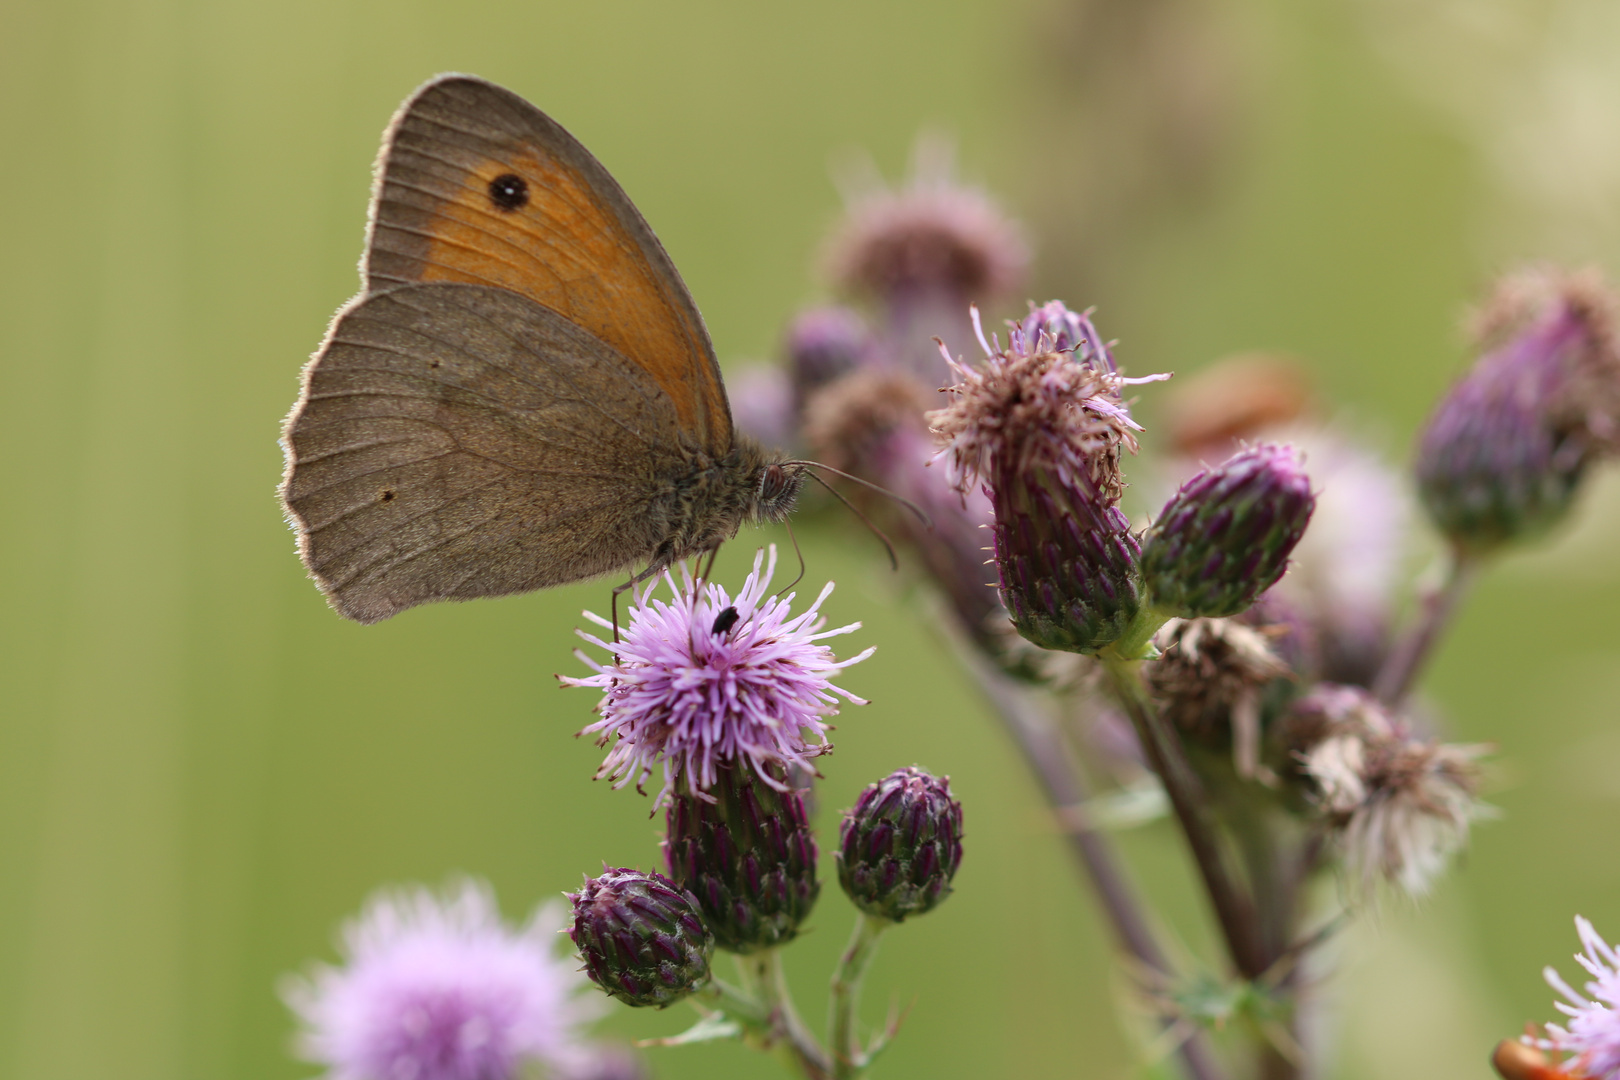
x=796, y=551
x=922, y=515
x=888, y=545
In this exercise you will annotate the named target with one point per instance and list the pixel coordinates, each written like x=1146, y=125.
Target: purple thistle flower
x=1042, y=429
x=439, y=988
x=1592, y=1033
x=710, y=679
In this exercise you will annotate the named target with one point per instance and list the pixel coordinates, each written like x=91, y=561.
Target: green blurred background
x=203, y=770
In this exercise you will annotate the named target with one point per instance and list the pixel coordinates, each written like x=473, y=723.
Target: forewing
x=446, y=209
x=455, y=441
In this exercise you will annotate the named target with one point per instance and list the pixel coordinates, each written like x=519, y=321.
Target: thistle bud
x=641, y=937
x=745, y=851
x=1225, y=537
x=1043, y=430
x=900, y=846
x=1506, y=449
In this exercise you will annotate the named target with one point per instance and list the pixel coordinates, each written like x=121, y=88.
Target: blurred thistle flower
x=1402, y=804
x=922, y=253
x=710, y=679
x=762, y=404
x=932, y=235
x=823, y=344
x=744, y=849
x=1043, y=431
x=871, y=423
x=1506, y=448
x=1209, y=679
x=1592, y=1034
x=900, y=845
x=1225, y=537
x=439, y=988
x=641, y=937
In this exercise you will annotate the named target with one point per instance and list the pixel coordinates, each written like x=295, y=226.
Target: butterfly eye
x=773, y=483
x=509, y=191
x=725, y=621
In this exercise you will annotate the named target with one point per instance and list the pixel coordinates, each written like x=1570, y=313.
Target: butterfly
x=523, y=394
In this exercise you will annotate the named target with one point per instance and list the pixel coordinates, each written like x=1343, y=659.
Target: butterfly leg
x=655, y=567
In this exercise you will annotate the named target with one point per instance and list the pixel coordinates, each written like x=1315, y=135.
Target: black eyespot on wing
x=509, y=191
x=725, y=621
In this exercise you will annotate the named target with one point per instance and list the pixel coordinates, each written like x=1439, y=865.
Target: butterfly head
x=778, y=489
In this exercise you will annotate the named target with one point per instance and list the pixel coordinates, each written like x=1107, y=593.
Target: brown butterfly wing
x=455, y=441
x=476, y=185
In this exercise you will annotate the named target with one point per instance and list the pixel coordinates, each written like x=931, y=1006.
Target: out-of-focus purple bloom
x=1592, y=1033
x=920, y=254
x=1043, y=431
x=823, y=344
x=931, y=235
x=762, y=404
x=438, y=988
x=710, y=678
x=1225, y=537
x=1506, y=449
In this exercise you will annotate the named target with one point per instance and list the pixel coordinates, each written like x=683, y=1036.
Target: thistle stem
x=849, y=1057
x=1063, y=785
x=736, y=1002
x=1234, y=908
x=1406, y=660
x=798, y=1045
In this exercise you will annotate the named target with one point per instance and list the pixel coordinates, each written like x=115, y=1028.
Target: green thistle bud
x=1225, y=537
x=641, y=937
x=900, y=846
x=746, y=853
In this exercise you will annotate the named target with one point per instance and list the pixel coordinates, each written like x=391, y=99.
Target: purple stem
x=1405, y=661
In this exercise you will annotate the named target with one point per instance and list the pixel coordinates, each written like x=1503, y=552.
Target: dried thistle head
x=1401, y=805
x=1210, y=677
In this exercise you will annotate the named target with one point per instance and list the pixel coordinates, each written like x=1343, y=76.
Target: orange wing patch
x=479, y=187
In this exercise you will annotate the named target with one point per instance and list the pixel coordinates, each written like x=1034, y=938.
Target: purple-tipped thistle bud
x=1505, y=450
x=900, y=846
x=641, y=937
x=1225, y=537
x=1042, y=429
x=745, y=851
